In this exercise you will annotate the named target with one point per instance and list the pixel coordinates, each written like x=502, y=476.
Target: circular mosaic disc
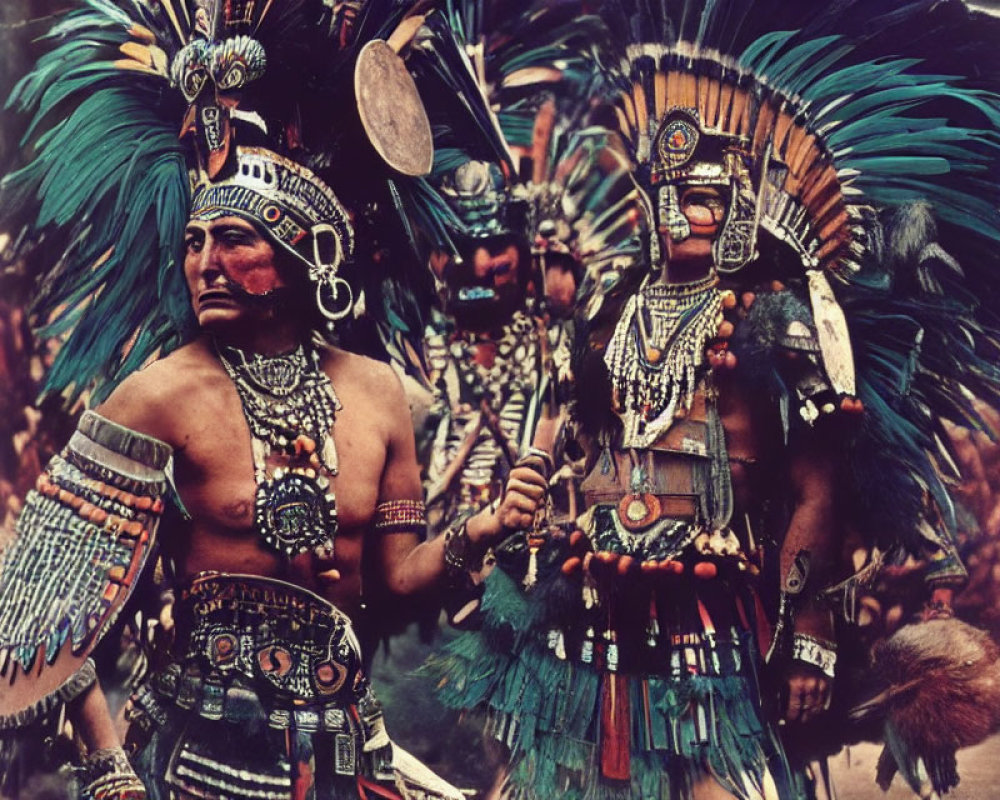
x=294, y=513
x=638, y=511
x=677, y=141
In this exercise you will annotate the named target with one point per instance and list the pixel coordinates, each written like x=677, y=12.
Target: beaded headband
x=294, y=208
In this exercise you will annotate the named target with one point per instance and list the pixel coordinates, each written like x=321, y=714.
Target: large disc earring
x=334, y=298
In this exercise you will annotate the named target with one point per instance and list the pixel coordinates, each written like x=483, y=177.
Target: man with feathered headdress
x=768, y=379
x=521, y=190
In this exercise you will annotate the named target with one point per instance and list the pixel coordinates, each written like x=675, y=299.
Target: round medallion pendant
x=329, y=677
x=638, y=511
x=295, y=512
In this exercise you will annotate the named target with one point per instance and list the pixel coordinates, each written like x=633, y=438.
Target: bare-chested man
x=299, y=494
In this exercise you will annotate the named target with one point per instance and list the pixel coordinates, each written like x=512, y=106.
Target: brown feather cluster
x=944, y=684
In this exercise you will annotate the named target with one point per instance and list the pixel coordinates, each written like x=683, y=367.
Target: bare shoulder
x=352, y=370
x=156, y=398
x=371, y=393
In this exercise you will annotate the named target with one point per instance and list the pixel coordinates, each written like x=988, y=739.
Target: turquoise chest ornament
x=295, y=512
x=290, y=406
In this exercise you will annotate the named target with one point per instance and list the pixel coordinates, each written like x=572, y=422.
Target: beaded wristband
x=458, y=551
x=108, y=775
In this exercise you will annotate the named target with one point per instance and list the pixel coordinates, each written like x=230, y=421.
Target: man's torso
x=202, y=418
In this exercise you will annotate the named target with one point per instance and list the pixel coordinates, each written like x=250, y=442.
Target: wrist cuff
x=817, y=652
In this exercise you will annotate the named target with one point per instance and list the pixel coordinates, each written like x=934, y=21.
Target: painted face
x=560, y=285
x=496, y=263
x=486, y=287
x=690, y=221
x=227, y=264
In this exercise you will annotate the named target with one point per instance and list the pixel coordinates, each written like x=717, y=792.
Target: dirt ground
x=979, y=768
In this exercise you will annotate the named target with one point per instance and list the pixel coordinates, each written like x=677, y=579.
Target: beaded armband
x=400, y=516
x=81, y=539
x=817, y=652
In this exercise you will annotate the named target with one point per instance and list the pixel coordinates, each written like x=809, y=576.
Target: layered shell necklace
x=655, y=354
x=290, y=406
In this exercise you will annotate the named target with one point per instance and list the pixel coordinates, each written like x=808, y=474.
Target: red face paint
x=232, y=248
x=254, y=276
x=227, y=263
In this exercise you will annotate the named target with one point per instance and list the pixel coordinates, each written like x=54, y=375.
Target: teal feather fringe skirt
x=586, y=717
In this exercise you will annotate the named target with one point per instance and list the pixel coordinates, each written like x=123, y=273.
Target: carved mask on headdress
x=212, y=70
x=700, y=186
x=297, y=212
x=485, y=278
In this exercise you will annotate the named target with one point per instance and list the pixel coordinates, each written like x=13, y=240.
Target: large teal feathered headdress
x=509, y=91
x=130, y=101
x=851, y=140
x=106, y=166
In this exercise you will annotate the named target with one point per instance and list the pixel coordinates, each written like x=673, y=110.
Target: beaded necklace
x=290, y=407
x=656, y=351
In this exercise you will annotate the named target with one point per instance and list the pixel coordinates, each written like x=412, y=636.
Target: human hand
x=515, y=509
x=521, y=498
x=808, y=692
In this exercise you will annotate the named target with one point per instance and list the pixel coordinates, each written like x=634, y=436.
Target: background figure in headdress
x=282, y=468
x=523, y=189
x=770, y=384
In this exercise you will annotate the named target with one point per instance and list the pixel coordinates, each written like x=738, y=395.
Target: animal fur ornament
x=942, y=693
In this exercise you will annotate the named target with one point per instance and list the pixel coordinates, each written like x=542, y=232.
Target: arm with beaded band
x=412, y=567
x=407, y=565
x=461, y=555
x=401, y=516
x=805, y=631
x=80, y=542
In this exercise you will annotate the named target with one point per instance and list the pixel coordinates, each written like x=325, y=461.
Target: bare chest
x=216, y=477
